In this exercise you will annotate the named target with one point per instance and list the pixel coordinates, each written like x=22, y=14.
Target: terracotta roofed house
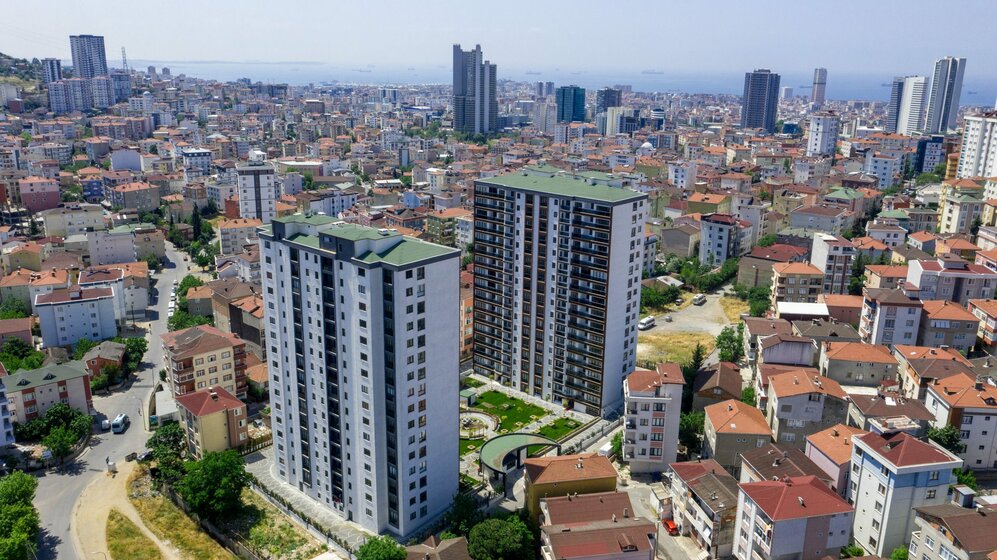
x=213, y=420
x=831, y=451
x=562, y=475
x=971, y=406
x=946, y=324
x=204, y=356
x=775, y=461
x=857, y=363
x=732, y=427
x=799, y=405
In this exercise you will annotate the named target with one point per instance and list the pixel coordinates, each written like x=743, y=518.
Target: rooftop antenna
x=124, y=59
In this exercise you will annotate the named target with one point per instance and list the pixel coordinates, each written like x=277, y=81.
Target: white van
x=645, y=323
x=700, y=299
x=120, y=424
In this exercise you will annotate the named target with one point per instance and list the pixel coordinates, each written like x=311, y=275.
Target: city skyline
x=398, y=47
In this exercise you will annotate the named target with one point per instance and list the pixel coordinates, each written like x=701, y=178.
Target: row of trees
x=19, y=521
x=181, y=319
x=61, y=428
x=758, y=298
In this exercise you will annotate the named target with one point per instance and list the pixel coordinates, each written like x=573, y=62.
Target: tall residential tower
x=820, y=83
x=760, y=100
x=557, y=267
x=906, y=107
x=363, y=330
x=570, y=104
x=89, y=58
x=943, y=101
x=475, y=105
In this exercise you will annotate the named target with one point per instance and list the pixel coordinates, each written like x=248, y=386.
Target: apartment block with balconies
x=652, y=404
x=202, y=357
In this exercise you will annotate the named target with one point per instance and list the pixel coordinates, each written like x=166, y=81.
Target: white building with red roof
x=971, y=406
x=797, y=517
x=891, y=475
x=950, y=277
x=653, y=402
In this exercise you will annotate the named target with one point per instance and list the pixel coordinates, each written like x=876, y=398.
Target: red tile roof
x=903, y=450
x=795, y=498
x=209, y=401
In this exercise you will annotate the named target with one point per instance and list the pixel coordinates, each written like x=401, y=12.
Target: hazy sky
x=875, y=37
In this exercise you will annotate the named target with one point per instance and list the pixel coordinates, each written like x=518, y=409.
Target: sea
x=976, y=90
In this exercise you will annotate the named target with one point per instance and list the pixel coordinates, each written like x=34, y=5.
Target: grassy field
x=513, y=413
x=126, y=541
x=558, y=428
x=465, y=445
x=169, y=523
x=20, y=83
x=671, y=347
x=471, y=383
x=269, y=531
x=733, y=307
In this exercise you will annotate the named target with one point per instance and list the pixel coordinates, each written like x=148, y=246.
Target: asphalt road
x=59, y=490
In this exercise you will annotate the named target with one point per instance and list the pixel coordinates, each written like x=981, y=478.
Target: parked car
x=668, y=318
x=120, y=424
x=700, y=299
x=671, y=527
x=105, y=424
x=645, y=323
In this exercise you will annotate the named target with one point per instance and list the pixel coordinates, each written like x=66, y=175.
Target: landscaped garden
x=513, y=413
x=559, y=428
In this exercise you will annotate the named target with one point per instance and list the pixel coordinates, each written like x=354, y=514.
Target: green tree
x=689, y=372
x=947, y=437
x=857, y=280
x=767, y=240
x=183, y=320
x=154, y=262
x=852, y=551
x=60, y=442
x=691, y=430
x=135, y=349
x=617, y=445
x=730, y=342
x=13, y=308
x=967, y=478
x=380, y=548
x=748, y=396
x=501, y=539
x=195, y=223
x=213, y=486
x=167, y=445
x=16, y=354
x=81, y=426
x=19, y=524
x=83, y=346
x=899, y=553
x=463, y=515
x=17, y=488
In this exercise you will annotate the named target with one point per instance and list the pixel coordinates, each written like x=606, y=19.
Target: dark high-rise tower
x=606, y=98
x=89, y=58
x=570, y=104
x=761, y=99
x=475, y=106
x=820, y=82
x=943, y=100
x=51, y=70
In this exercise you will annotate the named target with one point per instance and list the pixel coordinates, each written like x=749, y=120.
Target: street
x=58, y=490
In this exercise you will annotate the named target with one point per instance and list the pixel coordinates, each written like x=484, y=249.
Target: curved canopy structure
x=494, y=451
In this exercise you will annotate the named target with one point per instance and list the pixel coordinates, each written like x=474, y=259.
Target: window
x=933, y=475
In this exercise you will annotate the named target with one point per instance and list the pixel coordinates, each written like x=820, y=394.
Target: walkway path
x=89, y=519
x=260, y=465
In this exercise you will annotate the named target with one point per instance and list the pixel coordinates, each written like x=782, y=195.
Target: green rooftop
x=129, y=228
x=53, y=373
x=407, y=251
x=898, y=214
x=565, y=185
x=845, y=194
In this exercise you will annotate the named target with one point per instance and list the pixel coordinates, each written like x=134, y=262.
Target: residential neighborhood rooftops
x=24, y=379
x=795, y=498
x=736, y=417
x=641, y=379
x=972, y=528
x=778, y=461
x=901, y=449
x=835, y=442
x=858, y=352
x=565, y=468
x=201, y=339
x=208, y=401
x=600, y=506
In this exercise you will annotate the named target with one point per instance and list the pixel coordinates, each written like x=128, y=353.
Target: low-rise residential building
x=891, y=475
x=204, y=356
x=786, y=349
x=954, y=531
x=775, y=462
x=652, y=402
x=112, y=246
x=857, y=363
x=755, y=268
x=798, y=406
x=985, y=311
x=17, y=328
x=951, y=278
x=947, y=325
x=823, y=218
x=435, y=548
x=731, y=428
x=236, y=234
x=796, y=282
x=68, y=315
x=970, y=405
x=704, y=505
x=72, y=218
x=30, y=393
x=889, y=317
x=105, y=354
x=603, y=524
x=130, y=287
x=720, y=238
x=142, y=197
x=885, y=276
x=919, y=366
x=888, y=411
x=757, y=328
x=549, y=477
x=831, y=450
x=213, y=420
x=716, y=383
x=798, y=517
x=6, y=426
x=843, y=307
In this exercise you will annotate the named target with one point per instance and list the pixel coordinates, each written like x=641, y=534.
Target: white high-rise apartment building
x=51, y=70
x=89, y=57
x=978, y=155
x=946, y=88
x=911, y=109
x=557, y=268
x=257, y=189
x=363, y=330
x=823, y=134
x=820, y=86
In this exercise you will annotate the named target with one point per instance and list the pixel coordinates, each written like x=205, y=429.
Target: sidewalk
x=260, y=464
x=89, y=521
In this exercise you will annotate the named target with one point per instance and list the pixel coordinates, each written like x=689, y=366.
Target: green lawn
x=471, y=383
x=465, y=445
x=513, y=413
x=558, y=428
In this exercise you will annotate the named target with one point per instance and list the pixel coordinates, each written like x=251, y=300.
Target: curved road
x=59, y=490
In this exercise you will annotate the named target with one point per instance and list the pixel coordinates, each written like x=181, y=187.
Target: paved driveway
x=59, y=490
x=707, y=318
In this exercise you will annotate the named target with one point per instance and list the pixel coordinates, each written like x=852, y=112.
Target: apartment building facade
x=652, y=401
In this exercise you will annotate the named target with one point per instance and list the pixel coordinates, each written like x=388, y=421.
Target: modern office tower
x=943, y=101
x=760, y=101
x=557, y=267
x=548, y=88
x=89, y=58
x=820, y=85
x=823, y=133
x=606, y=98
x=978, y=155
x=903, y=114
x=166, y=72
x=151, y=71
x=257, y=189
x=570, y=104
x=475, y=105
x=786, y=92
x=539, y=90
x=363, y=331
x=51, y=70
